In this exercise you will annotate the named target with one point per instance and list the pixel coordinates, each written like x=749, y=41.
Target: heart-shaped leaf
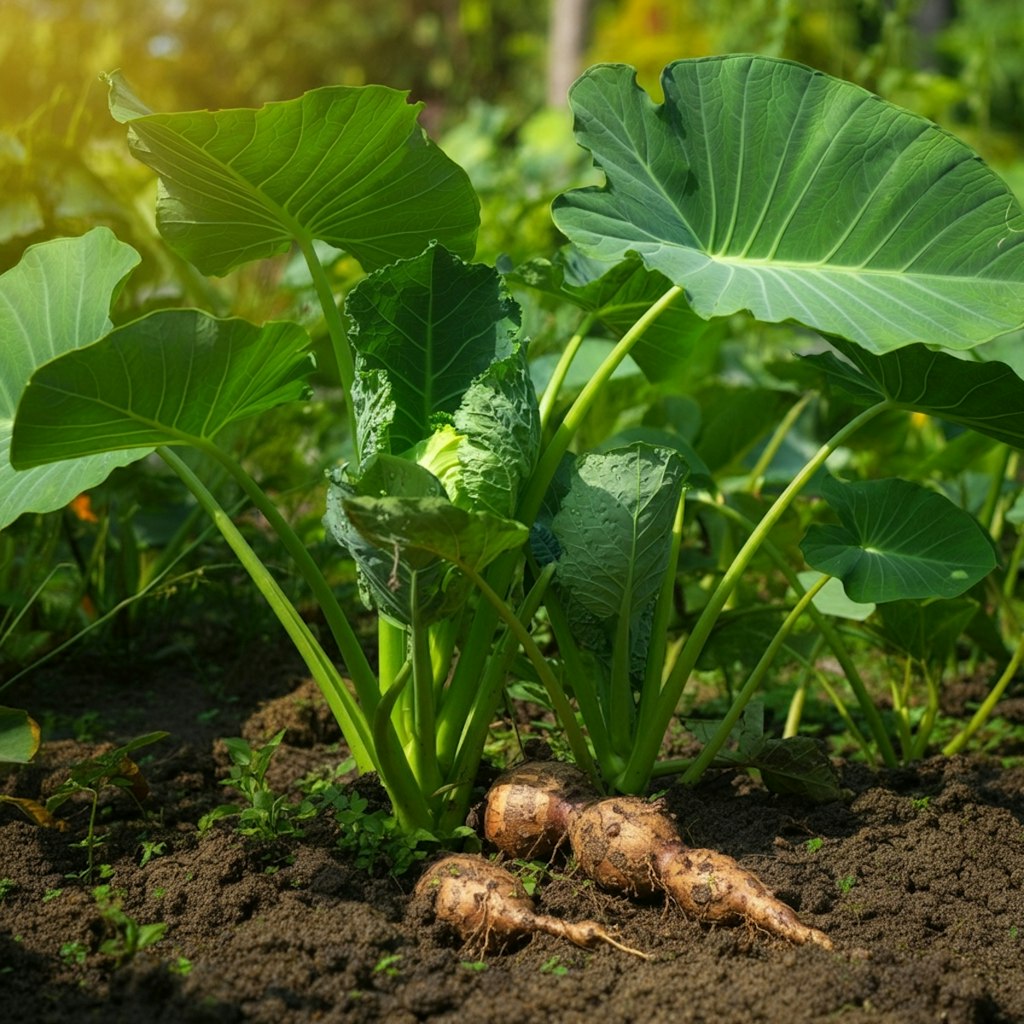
x=173, y=377
x=896, y=541
x=987, y=397
x=56, y=299
x=347, y=166
x=762, y=185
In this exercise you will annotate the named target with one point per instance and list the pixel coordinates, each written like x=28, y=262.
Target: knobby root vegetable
x=629, y=845
x=530, y=806
x=489, y=908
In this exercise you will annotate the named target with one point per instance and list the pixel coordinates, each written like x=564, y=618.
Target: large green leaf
x=176, y=376
x=345, y=165
x=423, y=330
x=987, y=397
x=614, y=527
x=762, y=185
x=56, y=299
x=468, y=539
x=897, y=541
x=385, y=571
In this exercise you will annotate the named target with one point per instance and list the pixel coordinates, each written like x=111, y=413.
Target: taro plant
x=758, y=185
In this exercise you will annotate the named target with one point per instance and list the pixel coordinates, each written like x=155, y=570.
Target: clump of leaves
x=267, y=815
x=371, y=836
x=125, y=936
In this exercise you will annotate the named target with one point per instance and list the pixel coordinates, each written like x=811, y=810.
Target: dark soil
x=918, y=877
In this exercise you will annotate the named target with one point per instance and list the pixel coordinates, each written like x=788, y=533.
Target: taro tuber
x=629, y=845
x=490, y=909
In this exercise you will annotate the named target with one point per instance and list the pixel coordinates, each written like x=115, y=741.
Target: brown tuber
x=490, y=909
x=629, y=845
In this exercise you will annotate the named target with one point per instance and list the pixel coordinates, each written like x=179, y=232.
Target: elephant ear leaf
x=896, y=540
x=55, y=300
x=349, y=166
x=763, y=185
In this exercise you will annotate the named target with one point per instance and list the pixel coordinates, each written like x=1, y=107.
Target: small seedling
x=114, y=769
x=151, y=850
x=388, y=965
x=477, y=966
x=7, y=886
x=52, y=894
x=372, y=838
x=126, y=936
x=74, y=953
x=814, y=845
x=269, y=815
x=180, y=966
x=553, y=965
x=846, y=883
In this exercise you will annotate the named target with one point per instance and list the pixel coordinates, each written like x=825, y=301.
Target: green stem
x=347, y=712
x=960, y=740
x=392, y=655
x=657, y=653
x=423, y=734
x=335, y=329
x=548, y=464
x=645, y=752
x=580, y=678
x=622, y=710
x=989, y=515
x=558, y=375
x=358, y=667
x=756, y=478
x=832, y=638
x=562, y=707
x=408, y=800
x=796, y=705
x=924, y=728
x=692, y=774
x=465, y=760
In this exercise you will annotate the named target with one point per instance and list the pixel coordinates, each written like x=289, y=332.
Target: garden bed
x=918, y=877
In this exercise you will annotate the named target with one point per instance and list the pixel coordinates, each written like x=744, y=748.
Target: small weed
x=477, y=966
x=814, y=845
x=268, y=816
x=372, y=838
x=116, y=770
x=531, y=873
x=1014, y=932
x=7, y=886
x=387, y=965
x=846, y=883
x=180, y=966
x=159, y=892
x=920, y=803
x=554, y=966
x=126, y=936
x=73, y=954
x=151, y=850
x=52, y=894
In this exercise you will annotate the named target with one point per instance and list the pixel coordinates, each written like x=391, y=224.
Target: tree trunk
x=567, y=32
